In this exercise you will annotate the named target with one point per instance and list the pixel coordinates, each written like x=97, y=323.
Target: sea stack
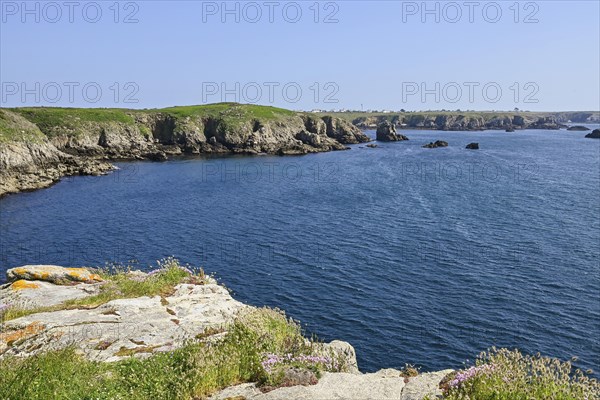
x=386, y=132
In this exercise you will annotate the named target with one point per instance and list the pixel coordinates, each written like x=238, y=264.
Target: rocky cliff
x=40, y=145
x=28, y=160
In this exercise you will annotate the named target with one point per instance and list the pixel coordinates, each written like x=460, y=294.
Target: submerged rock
x=436, y=144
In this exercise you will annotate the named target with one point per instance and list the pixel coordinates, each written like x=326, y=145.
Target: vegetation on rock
x=502, y=374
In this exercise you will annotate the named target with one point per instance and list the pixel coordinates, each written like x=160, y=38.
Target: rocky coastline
x=38, y=146
x=470, y=121
x=53, y=314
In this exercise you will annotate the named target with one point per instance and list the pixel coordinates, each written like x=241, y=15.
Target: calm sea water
x=412, y=255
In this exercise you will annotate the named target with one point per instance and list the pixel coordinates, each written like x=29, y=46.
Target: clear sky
x=541, y=55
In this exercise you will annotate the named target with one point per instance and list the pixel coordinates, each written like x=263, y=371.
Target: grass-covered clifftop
x=74, y=121
x=16, y=129
x=222, y=127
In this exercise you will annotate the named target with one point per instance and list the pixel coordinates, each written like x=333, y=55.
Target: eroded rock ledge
x=140, y=327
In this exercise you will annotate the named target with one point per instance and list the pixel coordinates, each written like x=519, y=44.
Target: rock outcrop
x=580, y=128
x=384, y=384
x=436, y=144
x=124, y=327
x=140, y=327
x=119, y=328
x=594, y=135
x=53, y=274
x=473, y=146
x=386, y=132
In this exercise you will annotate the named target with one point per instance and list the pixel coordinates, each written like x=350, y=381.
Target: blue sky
x=369, y=54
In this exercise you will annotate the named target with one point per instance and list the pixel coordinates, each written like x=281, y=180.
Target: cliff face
x=39, y=145
x=460, y=122
x=232, y=129
x=28, y=160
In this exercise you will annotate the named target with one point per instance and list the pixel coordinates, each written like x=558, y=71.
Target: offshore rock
x=386, y=132
x=436, y=144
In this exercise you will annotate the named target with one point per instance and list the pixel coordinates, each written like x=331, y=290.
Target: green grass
x=249, y=111
x=192, y=372
x=120, y=285
x=15, y=129
x=502, y=374
x=73, y=121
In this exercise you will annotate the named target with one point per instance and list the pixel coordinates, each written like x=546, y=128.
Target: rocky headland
x=51, y=308
x=38, y=146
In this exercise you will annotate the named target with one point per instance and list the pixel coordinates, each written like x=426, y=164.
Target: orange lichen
x=23, y=284
x=21, y=334
x=83, y=275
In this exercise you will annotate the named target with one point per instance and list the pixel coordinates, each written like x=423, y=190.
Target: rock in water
x=578, y=128
x=594, y=135
x=386, y=132
x=52, y=273
x=436, y=144
x=373, y=146
x=510, y=130
x=473, y=146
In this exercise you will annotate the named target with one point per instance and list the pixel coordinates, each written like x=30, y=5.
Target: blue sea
x=419, y=256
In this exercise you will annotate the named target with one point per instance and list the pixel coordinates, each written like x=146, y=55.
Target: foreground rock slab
x=34, y=294
x=386, y=384
x=124, y=327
